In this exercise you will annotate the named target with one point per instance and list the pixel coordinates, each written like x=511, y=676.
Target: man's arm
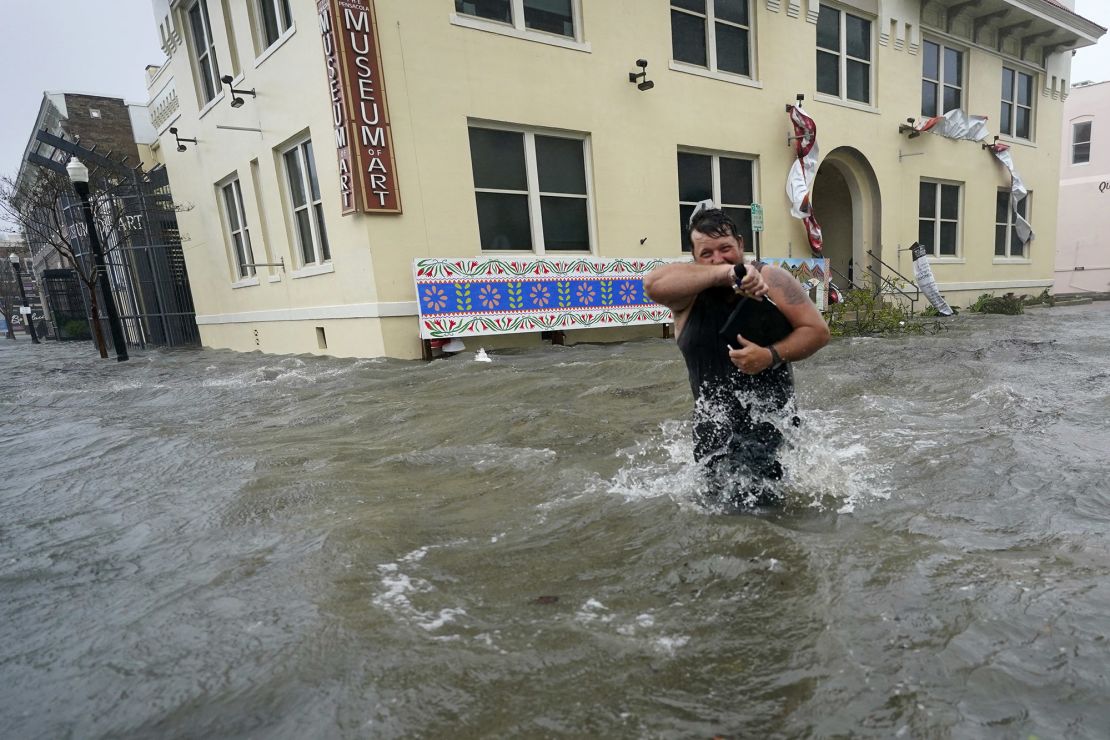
x=677, y=285
x=810, y=334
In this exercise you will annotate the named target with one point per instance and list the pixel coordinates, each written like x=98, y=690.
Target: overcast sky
x=103, y=46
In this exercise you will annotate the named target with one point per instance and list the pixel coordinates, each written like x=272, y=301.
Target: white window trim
x=195, y=54
x=842, y=58
x=1008, y=258
x=272, y=48
x=693, y=69
x=211, y=103
x=712, y=70
x=532, y=178
x=1032, y=105
x=306, y=269
x=237, y=278
x=1090, y=140
x=244, y=283
x=715, y=178
x=936, y=219
x=309, y=271
x=262, y=52
x=965, y=57
x=844, y=103
x=517, y=29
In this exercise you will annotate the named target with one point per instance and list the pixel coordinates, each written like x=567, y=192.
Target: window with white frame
x=1006, y=241
x=715, y=34
x=939, y=218
x=843, y=55
x=548, y=16
x=728, y=180
x=235, y=220
x=531, y=190
x=204, y=51
x=942, y=79
x=308, y=210
x=1017, y=104
x=274, y=19
x=1081, y=142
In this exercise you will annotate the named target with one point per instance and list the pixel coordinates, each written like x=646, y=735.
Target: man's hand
x=753, y=285
x=751, y=358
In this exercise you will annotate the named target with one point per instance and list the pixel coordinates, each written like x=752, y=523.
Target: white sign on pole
x=25, y=310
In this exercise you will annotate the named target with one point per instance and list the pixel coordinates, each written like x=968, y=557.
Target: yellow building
x=524, y=128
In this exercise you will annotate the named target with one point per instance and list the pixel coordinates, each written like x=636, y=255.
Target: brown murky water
x=208, y=544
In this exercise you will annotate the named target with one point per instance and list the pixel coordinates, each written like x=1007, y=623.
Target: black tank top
x=705, y=348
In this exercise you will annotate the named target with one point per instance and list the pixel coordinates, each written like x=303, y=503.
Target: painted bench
x=477, y=296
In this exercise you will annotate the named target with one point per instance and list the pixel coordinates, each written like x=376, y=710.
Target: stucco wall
x=1083, y=242
x=439, y=75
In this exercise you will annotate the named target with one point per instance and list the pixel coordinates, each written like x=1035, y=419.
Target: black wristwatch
x=776, y=358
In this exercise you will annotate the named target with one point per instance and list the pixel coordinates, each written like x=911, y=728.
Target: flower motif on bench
x=488, y=296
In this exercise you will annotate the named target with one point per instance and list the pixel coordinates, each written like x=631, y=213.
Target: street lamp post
x=79, y=176
x=29, y=318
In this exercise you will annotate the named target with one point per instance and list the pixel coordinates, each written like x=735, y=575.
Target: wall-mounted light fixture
x=236, y=101
x=908, y=128
x=641, y=75
x=181, y=142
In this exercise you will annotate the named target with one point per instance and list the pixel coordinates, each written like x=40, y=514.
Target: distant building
x=145, y=266
x=14, y=244
x=1083, y=241
x=524, y=129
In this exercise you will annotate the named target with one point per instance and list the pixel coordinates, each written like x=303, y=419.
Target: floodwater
x=210, y=544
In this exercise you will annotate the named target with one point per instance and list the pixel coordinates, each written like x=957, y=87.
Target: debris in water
x=546, y=599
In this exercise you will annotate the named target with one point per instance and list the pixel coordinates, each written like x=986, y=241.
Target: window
x=843, y=55
x=549, y=16
x=204, y=51
x=1006, y=241
x=939, y=218
x=715, y=34
x=729, y=181
x=274, y=20
x=942, y=79
x=308, y=210
x=531, y=191
x=237, y=228
x=1017, y=104
x=1081, y=142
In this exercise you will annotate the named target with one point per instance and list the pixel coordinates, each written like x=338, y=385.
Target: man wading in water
x=738, y=329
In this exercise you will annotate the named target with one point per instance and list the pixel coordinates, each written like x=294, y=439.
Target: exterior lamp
x=180, y=142
x=14, y=259
x=79, y=176
x=236, y=101
x=641, y=76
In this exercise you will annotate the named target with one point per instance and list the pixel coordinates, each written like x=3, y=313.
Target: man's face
x=717, y=250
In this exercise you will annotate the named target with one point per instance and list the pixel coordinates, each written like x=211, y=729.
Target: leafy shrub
x=931, y=311
x=1044, y=298
x=1008, y=304
x=863, y=313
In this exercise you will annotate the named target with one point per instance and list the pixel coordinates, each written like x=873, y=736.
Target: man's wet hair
x=714, y=222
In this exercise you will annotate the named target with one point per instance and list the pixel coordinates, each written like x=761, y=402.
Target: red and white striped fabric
x=800, y=180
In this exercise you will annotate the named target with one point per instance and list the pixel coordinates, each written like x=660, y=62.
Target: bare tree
x=49, y=214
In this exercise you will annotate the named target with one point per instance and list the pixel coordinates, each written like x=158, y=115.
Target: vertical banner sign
x=360, y=117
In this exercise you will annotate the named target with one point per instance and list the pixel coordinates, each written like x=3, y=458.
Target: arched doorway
x=848, y=205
